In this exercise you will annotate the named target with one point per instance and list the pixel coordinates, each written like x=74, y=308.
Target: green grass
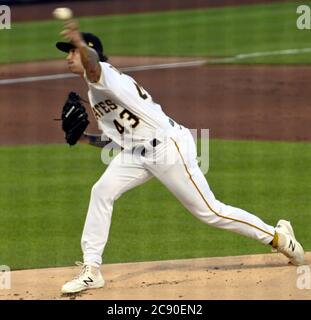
x=45, y=192
x=216, y=32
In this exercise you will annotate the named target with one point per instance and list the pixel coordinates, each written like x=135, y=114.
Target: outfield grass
x=216, y=32
x=45, y=192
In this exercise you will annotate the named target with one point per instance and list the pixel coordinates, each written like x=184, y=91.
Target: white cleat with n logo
x=287, y=243
x=89, y=278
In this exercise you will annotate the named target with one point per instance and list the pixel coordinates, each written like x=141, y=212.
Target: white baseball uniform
x=154, y=146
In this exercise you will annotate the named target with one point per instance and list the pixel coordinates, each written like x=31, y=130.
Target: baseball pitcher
x=153, y=145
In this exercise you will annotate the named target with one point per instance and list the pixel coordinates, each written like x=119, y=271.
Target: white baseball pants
x=174, y=163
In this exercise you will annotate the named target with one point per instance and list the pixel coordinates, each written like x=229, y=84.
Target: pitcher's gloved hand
x=74, y=118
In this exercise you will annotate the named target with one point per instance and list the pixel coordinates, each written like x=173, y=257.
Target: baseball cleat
x=287, y=243
x=89, y=278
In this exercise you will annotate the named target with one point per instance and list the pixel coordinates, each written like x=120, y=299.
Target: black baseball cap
x=91, y=40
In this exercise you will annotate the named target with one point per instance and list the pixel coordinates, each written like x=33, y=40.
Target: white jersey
x=124, y=110
x=121, y=105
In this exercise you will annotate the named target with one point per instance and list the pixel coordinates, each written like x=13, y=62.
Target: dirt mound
x=265, y=276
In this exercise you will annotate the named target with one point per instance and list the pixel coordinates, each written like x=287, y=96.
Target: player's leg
x=192, y=189
x=184, y=179
x=124, y=172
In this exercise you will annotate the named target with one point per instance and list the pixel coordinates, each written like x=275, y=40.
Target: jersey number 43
x=107, y=106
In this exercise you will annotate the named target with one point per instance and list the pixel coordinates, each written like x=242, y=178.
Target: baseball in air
x=62, y=13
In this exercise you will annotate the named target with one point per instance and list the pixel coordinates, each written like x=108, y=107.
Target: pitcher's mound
x=265, y=276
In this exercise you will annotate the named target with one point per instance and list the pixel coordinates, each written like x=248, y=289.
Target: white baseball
x=62, y=13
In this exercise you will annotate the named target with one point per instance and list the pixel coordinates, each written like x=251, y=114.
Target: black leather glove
x=74, y=118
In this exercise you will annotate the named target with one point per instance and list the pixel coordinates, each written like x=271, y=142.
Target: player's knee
x=211, y=214
x=102, y=190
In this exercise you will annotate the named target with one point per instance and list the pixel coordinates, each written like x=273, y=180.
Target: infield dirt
x=233, y=102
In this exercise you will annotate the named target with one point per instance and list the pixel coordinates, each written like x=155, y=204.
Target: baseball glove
x=74, y=118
